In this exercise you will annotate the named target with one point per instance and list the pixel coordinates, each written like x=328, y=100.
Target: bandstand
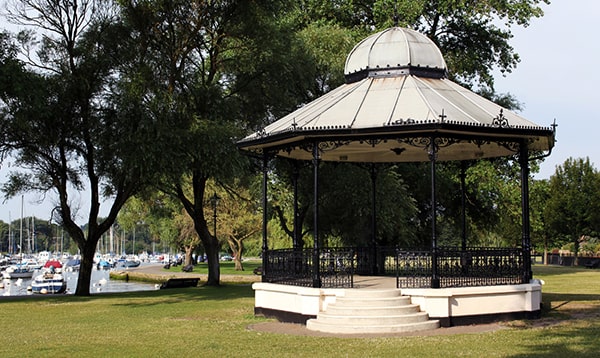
x=398, y=105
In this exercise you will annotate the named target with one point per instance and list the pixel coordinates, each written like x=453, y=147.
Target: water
x=12, y=288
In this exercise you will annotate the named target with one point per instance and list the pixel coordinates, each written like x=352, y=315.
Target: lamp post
x=214, y=202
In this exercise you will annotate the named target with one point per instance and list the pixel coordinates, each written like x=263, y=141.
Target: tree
x=540, y=230
x=61, y=122
x=573, y=209
x=474, y=37
x=238, y=218
x=217, y=67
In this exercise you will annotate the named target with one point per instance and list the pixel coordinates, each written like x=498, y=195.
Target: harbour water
x=101, y=282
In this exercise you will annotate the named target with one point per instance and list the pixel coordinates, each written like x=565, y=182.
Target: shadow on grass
x=176, y=295
x=567, y=305
x=172, y=295
x=569, y=326
x=572, y=338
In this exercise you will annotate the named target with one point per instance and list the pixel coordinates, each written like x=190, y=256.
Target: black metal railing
x=337, y=267
x=413, y=268
x=480, y=267
x=288, y=267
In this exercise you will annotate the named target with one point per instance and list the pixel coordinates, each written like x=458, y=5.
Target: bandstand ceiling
x=395, y=102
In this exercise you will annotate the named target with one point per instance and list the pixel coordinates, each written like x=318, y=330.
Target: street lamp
x=214, y=201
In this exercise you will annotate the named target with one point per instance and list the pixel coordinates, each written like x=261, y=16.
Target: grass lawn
x=213, y=322
x=227, y=267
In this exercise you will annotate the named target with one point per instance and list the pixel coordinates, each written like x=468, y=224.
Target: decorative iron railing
x=337, y=267
x=296, y=267
x=480, y=266
x=288, y=267
x=413, y=268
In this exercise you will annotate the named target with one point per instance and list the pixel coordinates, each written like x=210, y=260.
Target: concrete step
x=363, y=320
x=353, y=301
x=372, y=311
x=371, y=293
x=316, y=325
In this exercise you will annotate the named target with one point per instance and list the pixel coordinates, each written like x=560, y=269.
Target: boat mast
x=9, y=249
x=21, y=232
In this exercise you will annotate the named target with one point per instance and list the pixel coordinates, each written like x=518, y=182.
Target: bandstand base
x=451, y=306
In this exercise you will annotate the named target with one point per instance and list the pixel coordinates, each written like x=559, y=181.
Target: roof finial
x=395, y=17
x=442, y=116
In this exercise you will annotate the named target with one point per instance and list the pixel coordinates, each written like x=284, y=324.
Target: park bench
x=592, y=264
x=179, y=283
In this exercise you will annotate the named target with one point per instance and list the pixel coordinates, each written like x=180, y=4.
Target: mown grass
x=226, y=267
x=207, y=321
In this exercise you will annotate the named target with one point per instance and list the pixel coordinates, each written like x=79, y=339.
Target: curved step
x=373, y=320
x=373, y=293
x=316, y=325
x=372, y=301
x=372, y=311
x=334, y=309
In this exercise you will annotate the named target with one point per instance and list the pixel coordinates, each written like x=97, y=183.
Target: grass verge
x=208, y=321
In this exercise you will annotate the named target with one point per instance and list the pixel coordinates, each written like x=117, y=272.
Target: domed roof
x=395, y=51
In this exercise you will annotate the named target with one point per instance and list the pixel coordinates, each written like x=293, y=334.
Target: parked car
x=226, y=258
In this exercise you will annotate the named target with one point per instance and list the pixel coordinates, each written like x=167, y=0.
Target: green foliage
x=68, y=122
x=474, y=37
x=573, y=208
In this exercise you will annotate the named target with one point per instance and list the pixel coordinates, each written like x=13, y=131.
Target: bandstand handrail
x=412, y=267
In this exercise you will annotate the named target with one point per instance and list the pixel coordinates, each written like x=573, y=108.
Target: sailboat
x=19, y=270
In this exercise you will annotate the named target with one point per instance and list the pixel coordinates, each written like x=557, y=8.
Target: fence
x=474, y=266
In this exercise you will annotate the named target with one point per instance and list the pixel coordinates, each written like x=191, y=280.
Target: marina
x=100, y=283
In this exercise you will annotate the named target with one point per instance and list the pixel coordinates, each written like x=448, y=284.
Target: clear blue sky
x=556, y=79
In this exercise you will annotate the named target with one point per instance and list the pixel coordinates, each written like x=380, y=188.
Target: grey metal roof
x=394, y=48
x=390, y=114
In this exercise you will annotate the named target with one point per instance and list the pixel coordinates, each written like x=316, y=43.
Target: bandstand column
x=374, y=269
x=316, y=245
x=463, y=191
x=526, y=238
x=296, y=233
x=265, y=217
x=435, y=280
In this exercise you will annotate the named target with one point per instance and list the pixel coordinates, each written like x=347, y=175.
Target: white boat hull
x=46, y=283
x=16, y=274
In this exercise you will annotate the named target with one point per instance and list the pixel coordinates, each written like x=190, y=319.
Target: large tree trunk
x=237, y=249
x=214, y=269
x=195, y=209
x=87, y=264
x=238, y=261
x=188, y=255
x=85, y=274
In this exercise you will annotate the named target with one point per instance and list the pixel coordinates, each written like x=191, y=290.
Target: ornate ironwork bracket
x=500, y=121
x=324, y=146
x=373, y=142
x=431, y=144
x=515, y=147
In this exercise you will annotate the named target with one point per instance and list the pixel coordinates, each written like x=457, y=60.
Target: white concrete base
x=451, y=306
x=467, y=305
x=292, y=303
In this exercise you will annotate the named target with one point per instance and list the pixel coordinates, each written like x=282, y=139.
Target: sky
x=556, y=79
